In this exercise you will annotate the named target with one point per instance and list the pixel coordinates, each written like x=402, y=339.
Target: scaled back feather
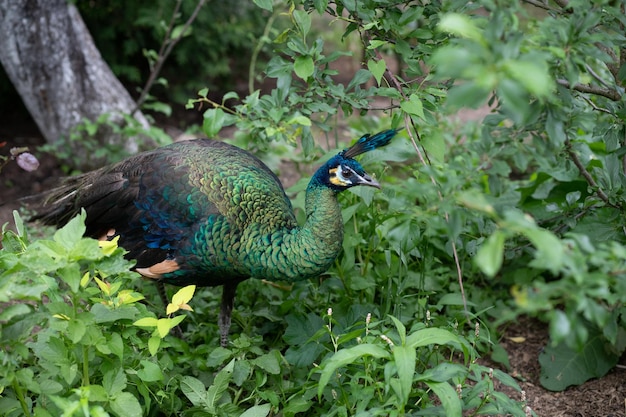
x=207, y=213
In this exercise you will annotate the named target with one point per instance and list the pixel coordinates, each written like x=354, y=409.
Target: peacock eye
x=346, y=173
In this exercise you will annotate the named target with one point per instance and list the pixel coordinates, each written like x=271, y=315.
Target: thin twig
x=562, y=3
x=583, y=171
x=166, y=48
x=584, y=88
x=593, y=105
x=257, y=50
x=541, y=5
x=597, y=77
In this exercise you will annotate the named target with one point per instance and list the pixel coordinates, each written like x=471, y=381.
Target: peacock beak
x=367, y=180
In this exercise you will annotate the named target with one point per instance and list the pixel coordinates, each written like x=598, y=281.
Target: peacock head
x=342, y=171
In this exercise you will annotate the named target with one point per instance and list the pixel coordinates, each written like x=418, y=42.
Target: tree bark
x=51, y=59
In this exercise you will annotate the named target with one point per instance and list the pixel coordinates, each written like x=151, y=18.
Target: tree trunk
x=51, y=59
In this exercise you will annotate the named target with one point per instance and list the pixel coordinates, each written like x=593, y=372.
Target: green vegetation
x=476, y=224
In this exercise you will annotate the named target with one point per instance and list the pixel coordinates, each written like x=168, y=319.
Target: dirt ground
x=604, y=397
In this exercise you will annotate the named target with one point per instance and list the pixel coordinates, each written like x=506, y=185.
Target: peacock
x=208, y=213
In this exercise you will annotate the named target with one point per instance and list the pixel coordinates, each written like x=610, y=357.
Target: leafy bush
x=508, y=217
x=73, y=343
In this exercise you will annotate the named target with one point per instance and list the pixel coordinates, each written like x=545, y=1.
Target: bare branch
x=583, y=171
x=166, y=49
x=541, y=5
x=597, y=77
x=584, y=88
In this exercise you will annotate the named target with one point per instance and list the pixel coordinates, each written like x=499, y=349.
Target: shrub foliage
x=477, y=224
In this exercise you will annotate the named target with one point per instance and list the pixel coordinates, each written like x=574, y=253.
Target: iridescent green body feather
x=207, y=213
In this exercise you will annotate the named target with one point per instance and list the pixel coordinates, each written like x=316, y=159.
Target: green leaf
x=264, y=4
x=430, y=336
x=303, y=66
x=460, y=25
x=268, y=362
x=153, y=344
x=257, y=411
x=435, y=145
x=405, y=359
x=150, y=371
x=76, y=330
x=468, y=94
x=562, y=366
x=401, y=329
x=125, y=404
x=346, y=356
x=181, y=31
x=320, y=5
x=70, y=234
x=194, y=390
x=114, y=381
x=491, y=254
x=361, y=77
x=219, y=386
x=550, y=253
x=303, y=21
x=413, y=107
x=146, y=322
x=448, y=397
x=213, y=122
x=377, y=68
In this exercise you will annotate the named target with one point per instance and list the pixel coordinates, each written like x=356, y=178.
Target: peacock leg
x=228, y=300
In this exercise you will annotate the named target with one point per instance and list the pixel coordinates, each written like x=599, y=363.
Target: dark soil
x=524, y=340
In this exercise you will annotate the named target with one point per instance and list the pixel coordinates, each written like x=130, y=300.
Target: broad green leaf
x=303, y=66
x=448, y=397
x=76, y=330
x=213, y=122
x=550, y=252
x=320, y=5
x=194, y=390
x=468, y=94
x=435, y=146
x=303, y=21
x=153, y=344
x=401, y=329
x=430, y=336
x=491, y=254
x=149, y=371
x=346, y=356
x=300, y=120
x=534, y=75
x=116, y=345
x=562, y=366
x=413, y=106
x=71, y=275
x=146, y=322
x=125, y=404
x=114, y=381
x=180, y=31
x=361, y=77
x=460, y=25
x=405, y=359
x=257, y=411
x=268, y=362
x=220, y=384
x=264, y=4
x=377, y=68
x=72, y=232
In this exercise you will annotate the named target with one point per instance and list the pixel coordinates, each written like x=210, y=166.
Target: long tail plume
x=370, y=142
